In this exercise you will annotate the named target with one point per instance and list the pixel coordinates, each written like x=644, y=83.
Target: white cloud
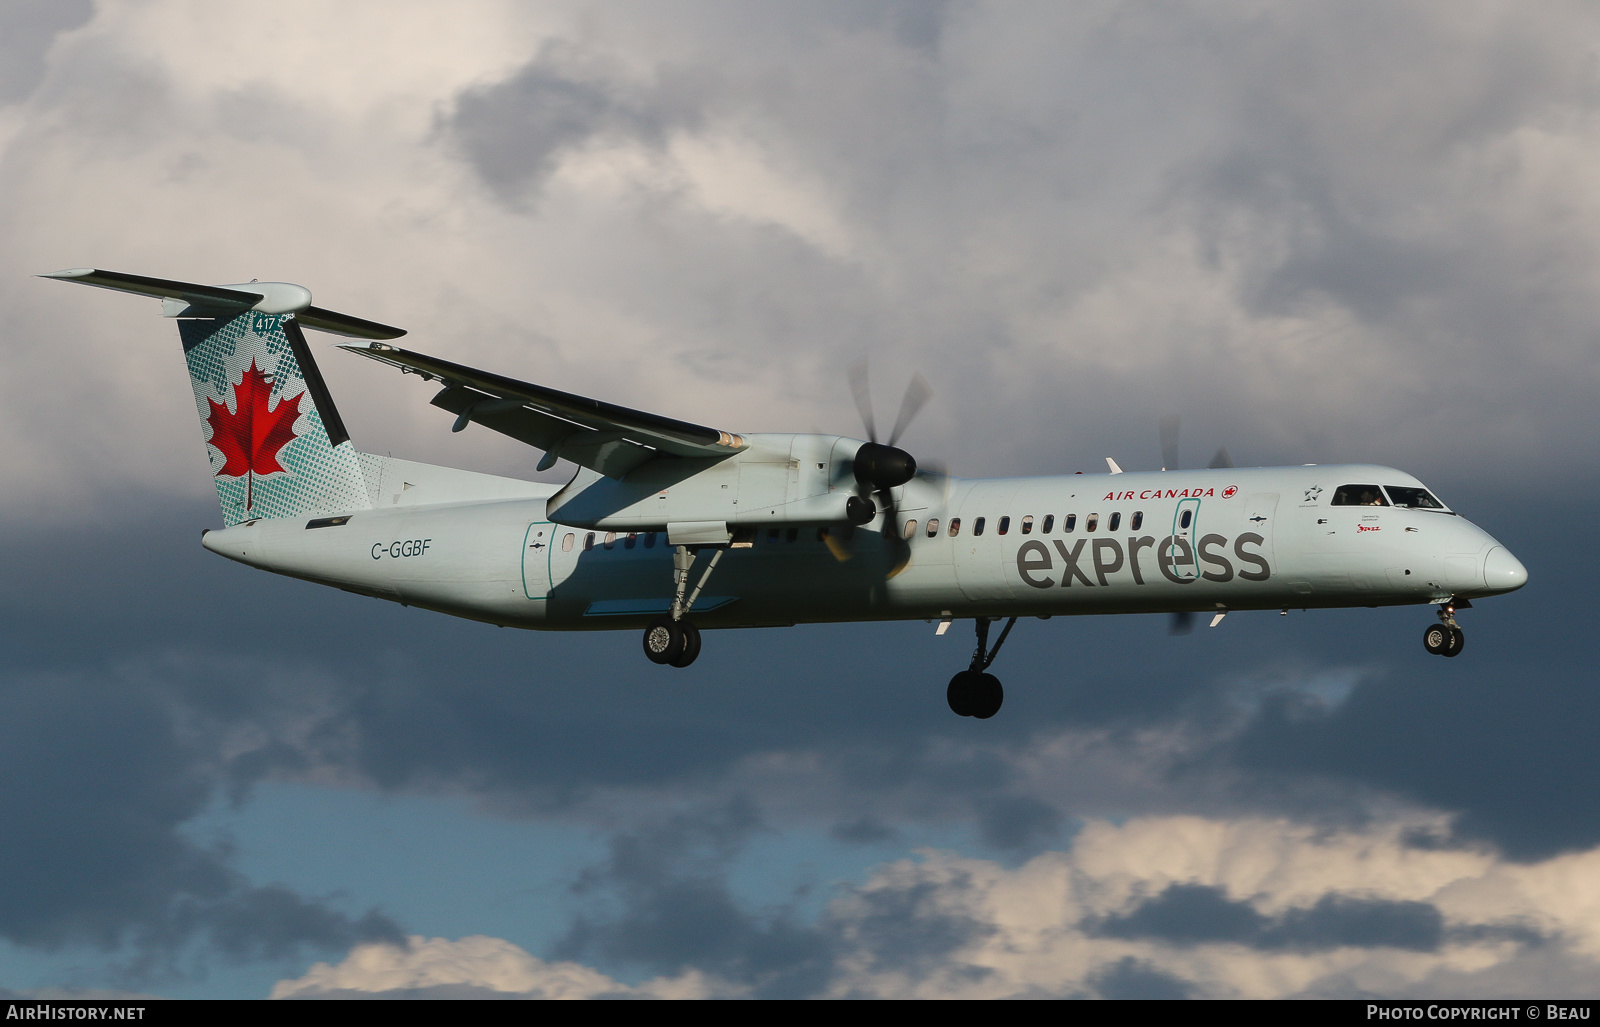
x=1030, y=922
x=947, y=926
x=488, y=965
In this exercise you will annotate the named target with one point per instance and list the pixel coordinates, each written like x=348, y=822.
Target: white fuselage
x=1233, y=539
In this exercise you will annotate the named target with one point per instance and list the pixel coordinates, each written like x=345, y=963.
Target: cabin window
x=566, y=542
x=933, y=526
x=1358, y=495
x=1092, y=523
x=955, y=526
x=911, y=529
x=1049, y=522
x=631, y=541
x=1185, y=518
x=649, y=540
x=1005, y=524
x=588, y=542
x=611, y=540
x=772, y=534
x=1412, y=498
x=1116, y=520
x=1138, y=520
x=1070, y=524
x=977, y=527
x=792, y=535
x=1027, y=525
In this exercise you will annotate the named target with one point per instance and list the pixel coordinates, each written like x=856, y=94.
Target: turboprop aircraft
x=770, y=529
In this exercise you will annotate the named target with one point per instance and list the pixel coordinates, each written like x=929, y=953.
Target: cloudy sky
x=1317, y=232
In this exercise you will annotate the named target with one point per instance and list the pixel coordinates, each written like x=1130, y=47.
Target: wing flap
x=602, y=436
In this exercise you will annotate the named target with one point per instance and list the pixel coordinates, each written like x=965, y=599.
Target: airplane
x=668, y=527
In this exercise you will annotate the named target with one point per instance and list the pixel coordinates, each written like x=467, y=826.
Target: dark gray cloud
x=27, y=28
x=514, y=131
x=270, y=671
x=100, y=775
x=906, y=926
x=863, y=831
x=1193, y=914
x=674, y=910
x=1130, y=978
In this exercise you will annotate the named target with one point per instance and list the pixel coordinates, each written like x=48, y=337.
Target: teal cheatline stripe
x=641, y=607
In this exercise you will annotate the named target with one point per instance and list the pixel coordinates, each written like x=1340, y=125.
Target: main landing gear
x=1446, y=637
x=672, y=640
x=974, y=692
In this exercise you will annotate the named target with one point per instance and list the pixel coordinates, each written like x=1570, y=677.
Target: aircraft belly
x=459, y=560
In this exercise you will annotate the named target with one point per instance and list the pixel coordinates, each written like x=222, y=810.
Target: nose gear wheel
x=1446, y=637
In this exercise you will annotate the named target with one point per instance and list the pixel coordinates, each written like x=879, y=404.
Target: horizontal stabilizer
x=187, y=299
x=343, y=324
x=602, y=436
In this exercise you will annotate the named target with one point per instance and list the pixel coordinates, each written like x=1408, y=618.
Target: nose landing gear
x=973, y=692
x=1446, y=637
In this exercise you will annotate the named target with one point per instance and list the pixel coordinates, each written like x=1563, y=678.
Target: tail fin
x=277, y=445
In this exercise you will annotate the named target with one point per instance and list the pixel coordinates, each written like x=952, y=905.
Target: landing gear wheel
x=973, y=694
x=1458, y=639
x=691, y=645
x=1437, y=638
x=663, y=640
x=987, y=697
x=961, y=692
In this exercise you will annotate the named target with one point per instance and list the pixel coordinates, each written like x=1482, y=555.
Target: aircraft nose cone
x=1502, y=571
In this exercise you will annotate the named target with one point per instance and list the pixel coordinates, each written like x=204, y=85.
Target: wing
x=604, y=437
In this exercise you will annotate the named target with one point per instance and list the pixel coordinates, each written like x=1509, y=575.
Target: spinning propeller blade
x=918, y=392
x=1168, y=430
x=861, y=389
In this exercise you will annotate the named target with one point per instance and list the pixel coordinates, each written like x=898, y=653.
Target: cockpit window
x=1358, y=495
x=1412, y=498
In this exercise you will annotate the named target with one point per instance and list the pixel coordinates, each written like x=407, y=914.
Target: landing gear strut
x=974, y=692
x=673, y=640
x=1446, y=637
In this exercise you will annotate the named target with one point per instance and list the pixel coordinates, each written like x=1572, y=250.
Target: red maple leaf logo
x=250, y=436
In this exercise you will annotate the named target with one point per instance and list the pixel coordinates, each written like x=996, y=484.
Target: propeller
x=1168, y=432
x=881, y=467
